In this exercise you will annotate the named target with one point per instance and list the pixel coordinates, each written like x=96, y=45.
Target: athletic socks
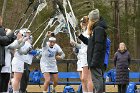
x=15, y=91
x=85, y=92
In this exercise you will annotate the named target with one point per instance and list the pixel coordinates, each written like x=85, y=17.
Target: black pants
x=0, y=77
x=24, y=79
x=4, y=80
x=122, y=88
x=97, y=77
x=105, y=67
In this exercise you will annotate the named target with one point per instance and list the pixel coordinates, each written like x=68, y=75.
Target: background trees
x=122, y=16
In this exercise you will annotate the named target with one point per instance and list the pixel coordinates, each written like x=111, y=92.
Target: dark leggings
x=0, y=68
x=0, y=78
x=122, y=88
x=4, y=80
x=24, y=79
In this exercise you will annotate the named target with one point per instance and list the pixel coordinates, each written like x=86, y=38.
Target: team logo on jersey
x=50, y=53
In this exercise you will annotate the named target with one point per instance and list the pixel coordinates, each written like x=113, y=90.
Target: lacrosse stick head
x=23, y=32
x=61, y=18
x=64, y=3
x=42, y=5
x=31, y=2
x=36, y=6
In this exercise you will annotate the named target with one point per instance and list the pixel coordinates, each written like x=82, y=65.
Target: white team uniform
x=79, y=64
x=19, y=59
x=82, y=55
x=7, y=67
x=8, y=57
x=28, y=59
x=48, y=62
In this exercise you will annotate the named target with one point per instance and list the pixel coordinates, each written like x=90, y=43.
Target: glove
x=34, y=52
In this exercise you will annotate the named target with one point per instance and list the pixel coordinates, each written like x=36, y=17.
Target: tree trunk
x=134, y=33
x=126, y=22
x=138, y=29
x=3, y=8
x=116, y=25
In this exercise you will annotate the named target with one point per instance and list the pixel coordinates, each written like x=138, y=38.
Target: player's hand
x=25, y=39
x=78, y=33
x=72, y=43
x=58, y=57
x=48, y=34
x=20, y=40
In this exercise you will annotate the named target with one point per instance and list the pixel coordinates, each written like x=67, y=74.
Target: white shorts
x=79, y=66
x=49, y=69
x=17, y=65
x=83, y=62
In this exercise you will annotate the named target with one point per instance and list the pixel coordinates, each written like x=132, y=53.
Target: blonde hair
x=122, y=43
x=84, y=20
x=90, y=26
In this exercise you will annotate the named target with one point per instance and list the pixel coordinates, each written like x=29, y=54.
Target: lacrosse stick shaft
x=74, y=18
x=32, y=20
x=58, y=28
x=71, y=10
x=39, y=8
x=40, y=35
x=68, y=26
x=39, y=26
x=24, y=14
x=48, y=25
x=27, y=19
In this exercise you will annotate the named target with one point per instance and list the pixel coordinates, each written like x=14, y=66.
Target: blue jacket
x=107, y=53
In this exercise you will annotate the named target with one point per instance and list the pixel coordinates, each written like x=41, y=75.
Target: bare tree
x=138, y=29
x=134, y=28
x=126, y=21
x=4, y=7
x=116, y=24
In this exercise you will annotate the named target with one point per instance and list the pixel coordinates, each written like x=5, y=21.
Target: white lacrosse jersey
x=48, y=60
x=24, y=48
x=83, y=49
x=82, y=55
x=28, y=57
x=8, y=57
x=7, y=67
